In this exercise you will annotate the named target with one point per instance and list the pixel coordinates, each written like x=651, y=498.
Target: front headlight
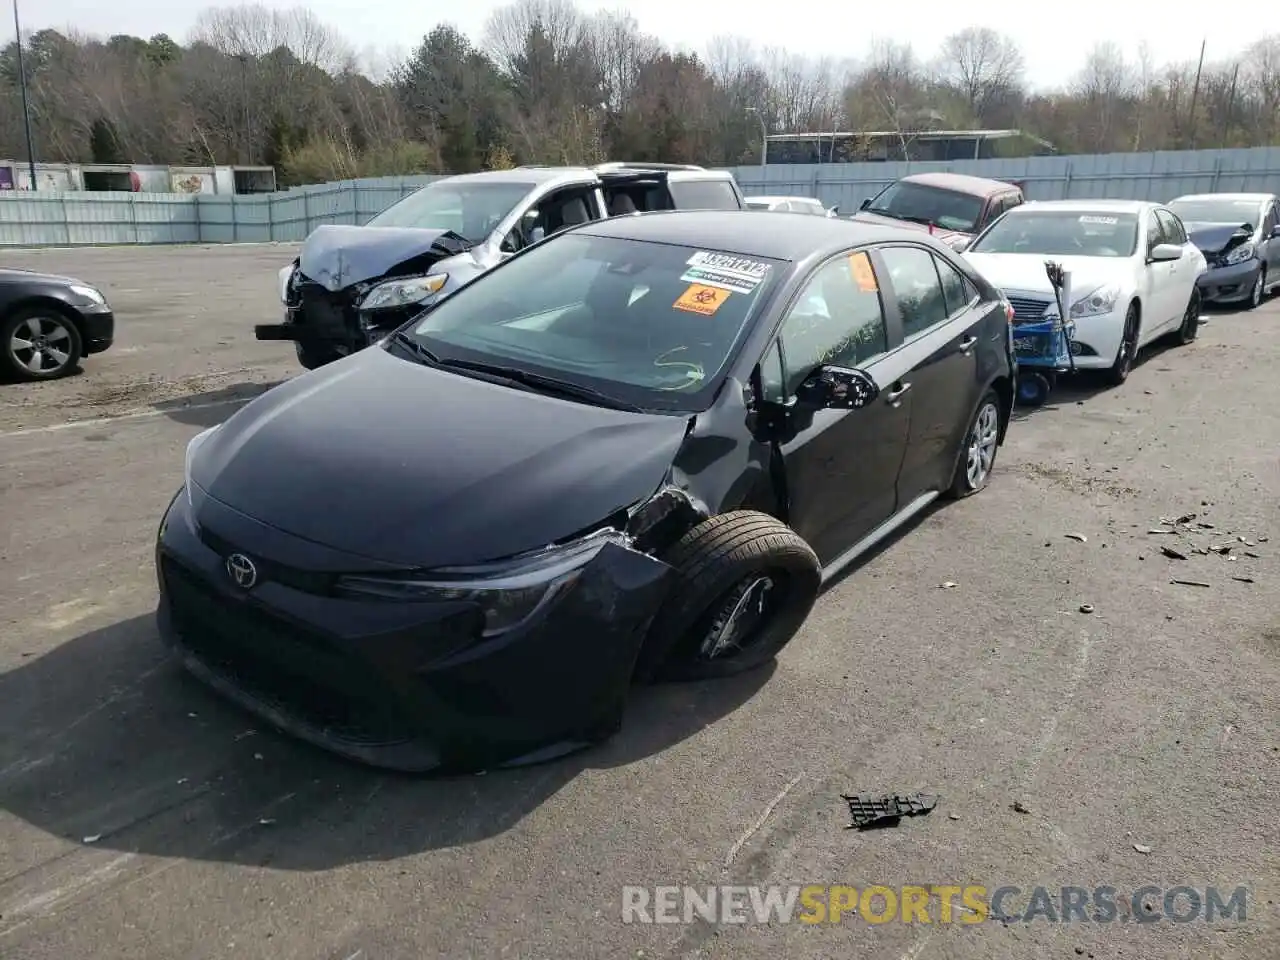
x=1100, y=301
x=89, y=293
x=285, y=275
x=403, y=292
x=509, y=592
x=1239, y=255
x=193, y=448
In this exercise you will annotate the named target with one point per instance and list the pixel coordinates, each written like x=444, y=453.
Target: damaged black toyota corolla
x=635, y=451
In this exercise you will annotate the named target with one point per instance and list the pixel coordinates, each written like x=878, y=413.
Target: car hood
x=337, y=256
x=30, y=276
x=1216, y=237
x=1025, y=271
x=939, y=232
x=406, y=464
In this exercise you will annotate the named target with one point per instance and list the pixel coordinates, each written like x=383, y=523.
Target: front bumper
x=1229, y=284
x=408, y=686
x=97, y=327
x=1096, y=340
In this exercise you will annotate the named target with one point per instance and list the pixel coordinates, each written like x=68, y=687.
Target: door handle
x=893, y=396
x=966, y=345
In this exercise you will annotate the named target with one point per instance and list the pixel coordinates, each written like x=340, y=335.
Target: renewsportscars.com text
x=937, y=903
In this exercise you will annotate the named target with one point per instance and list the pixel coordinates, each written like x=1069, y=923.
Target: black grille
x=1028, y=309
x=307, y=581
x=332, y=313
x=295, y=670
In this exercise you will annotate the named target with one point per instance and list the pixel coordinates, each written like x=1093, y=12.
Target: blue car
x=1239, y=235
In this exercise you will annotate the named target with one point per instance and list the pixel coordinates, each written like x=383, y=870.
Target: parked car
x=1133, y=274
x=1239, y=235
x=792, y=205
x=48, y=323
x=954, y=206
x=352, y=285
x=644, y=446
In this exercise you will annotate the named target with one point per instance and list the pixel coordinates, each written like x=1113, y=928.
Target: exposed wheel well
x=1003, y=386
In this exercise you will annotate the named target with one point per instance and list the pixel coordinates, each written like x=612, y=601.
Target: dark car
x=953, y=206
x=635, y=451
x=48, y=323
x=350, y=285
x=1239, y=235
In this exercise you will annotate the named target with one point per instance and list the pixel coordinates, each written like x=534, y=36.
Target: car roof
x=790, y=236
x=536, y=176
x=961, y=183
x=1085, y=206
x=1249, y=197
x=774, y=199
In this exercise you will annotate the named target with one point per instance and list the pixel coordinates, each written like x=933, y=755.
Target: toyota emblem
x=241, y=569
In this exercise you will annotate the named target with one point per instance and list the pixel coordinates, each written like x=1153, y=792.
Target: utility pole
x=1195, y=95
x=26, y=109
x=764, y=134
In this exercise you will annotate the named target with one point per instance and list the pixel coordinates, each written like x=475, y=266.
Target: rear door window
x=703, y=195
x=957, y=293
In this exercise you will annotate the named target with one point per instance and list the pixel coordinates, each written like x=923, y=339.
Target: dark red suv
x=952, y=206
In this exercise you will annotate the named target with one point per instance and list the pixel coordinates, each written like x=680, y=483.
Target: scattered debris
x=1263, y=539
x=1191, y=583
x=266, y=821
x=182, y=780
x=192, y=715
x=867, y=809
x=953, y=816
x=1163, y=530
x=1019, y=807
x=1086, y=608
x=1173, y=554
x=1185, y=518
x=1078, y=536
x=93, y=838
x=257, y=756
x=1252, y=556
x=1243, y=579
x=949, y=585
x=247, y=733
x=1246, y=541
x=1204, y=526
x=1142, y=848
x=1222, y=547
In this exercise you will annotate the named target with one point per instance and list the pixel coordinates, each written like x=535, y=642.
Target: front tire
x=39, y=343
x=1190, y=328
x=978, y=456
x=745, y=584
x=1119, y=371
x=1258, y=292
x=313, y=356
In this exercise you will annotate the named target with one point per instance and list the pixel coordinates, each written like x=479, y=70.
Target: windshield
x=471, y=210
x=942, y=208
x=649, y=324
x=1061, y=233
x=1218, y=211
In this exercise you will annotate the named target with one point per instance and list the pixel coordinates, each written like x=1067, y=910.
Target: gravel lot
x=140, y=817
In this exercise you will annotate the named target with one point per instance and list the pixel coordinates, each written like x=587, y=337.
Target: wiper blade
x=416, y=348
x=540, y=382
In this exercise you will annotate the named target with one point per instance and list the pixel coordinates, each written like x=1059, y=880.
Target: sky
x=1054, y=46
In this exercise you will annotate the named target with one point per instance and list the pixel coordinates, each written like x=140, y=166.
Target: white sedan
x=1132, y=270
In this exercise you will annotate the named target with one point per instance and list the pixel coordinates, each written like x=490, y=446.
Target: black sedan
x=634, y=451
x=48, y=323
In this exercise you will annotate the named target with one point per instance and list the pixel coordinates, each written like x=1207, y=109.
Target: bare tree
x=980, y=65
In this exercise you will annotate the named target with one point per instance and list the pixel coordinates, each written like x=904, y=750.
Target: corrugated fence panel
x=62, y=218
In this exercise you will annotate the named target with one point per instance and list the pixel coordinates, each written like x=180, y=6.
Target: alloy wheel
x=41, y=345
x=982, y=446
x=1125, y=361
x=743, y=612
x=1255, y=295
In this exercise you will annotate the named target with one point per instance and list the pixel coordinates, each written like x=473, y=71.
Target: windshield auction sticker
x=1104, y=221
x=739, y=274
x=863, y=275
x=702, y=299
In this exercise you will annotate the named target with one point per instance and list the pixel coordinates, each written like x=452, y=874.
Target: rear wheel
x=1119, y=371
x=39, y=343
x=745, y=584
x=981, y=441
x=1190, y=328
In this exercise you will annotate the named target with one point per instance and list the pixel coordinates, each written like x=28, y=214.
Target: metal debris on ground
x=1142, y=848
x=1086, y=608
x=949, y=585
x=867, y=809
x=1173, y=554
x=1191, y=583
x=1164, y=530
x=1019, y=807
x=93, y=838
x=1078, y=536
x=1243, y=579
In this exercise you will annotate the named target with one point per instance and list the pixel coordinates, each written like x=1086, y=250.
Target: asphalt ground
x=142, y=817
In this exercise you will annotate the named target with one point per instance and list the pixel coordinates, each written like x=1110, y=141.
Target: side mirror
x=836, y=388
x=1275, y=232
x=834, y=211
x=864, y=204
x=961, y=244
x=1164, y=252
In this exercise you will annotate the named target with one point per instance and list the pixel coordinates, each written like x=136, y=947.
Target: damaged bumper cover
x=372, y=669
x=1228, y=284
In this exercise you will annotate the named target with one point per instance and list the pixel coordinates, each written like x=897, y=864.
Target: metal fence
x=71, y=219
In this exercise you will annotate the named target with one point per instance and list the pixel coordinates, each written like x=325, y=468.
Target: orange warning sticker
x=860, y=266
x=702, y=299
